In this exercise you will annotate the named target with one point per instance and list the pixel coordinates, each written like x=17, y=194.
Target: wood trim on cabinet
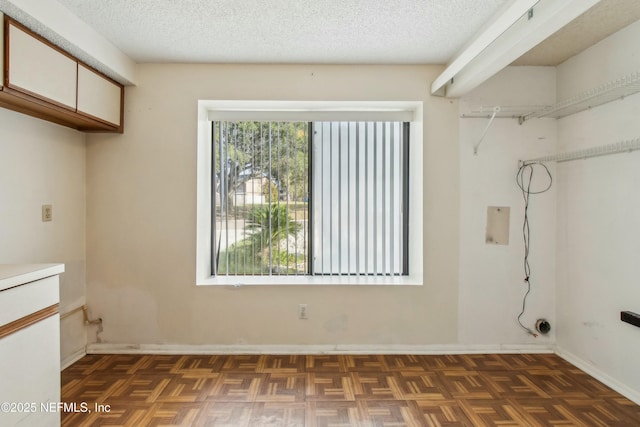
x=15, y=98
x=37, y=36
x=29, y=320
x=14, y=89
x=5, y=71
x=17, y=101
x=93, y=70
x=7, y=36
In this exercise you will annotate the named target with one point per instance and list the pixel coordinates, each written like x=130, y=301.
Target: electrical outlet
x=302, y=311
x=47, y=213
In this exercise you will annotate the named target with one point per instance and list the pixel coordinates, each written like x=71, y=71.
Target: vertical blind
x=360, y=196
x=333, y=201
x=260, y=198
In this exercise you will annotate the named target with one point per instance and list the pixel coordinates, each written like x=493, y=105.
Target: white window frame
x=208, y=110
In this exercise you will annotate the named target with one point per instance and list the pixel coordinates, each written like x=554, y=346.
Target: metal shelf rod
x=613, y=90
x=616, y=89
x=603, y=150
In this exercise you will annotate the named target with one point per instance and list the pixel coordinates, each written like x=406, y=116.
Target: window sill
x=238, y=281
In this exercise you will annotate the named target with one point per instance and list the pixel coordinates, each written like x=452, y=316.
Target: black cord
x=524, y=178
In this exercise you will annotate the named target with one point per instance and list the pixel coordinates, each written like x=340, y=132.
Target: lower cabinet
x=30, y=375
x=30, y=352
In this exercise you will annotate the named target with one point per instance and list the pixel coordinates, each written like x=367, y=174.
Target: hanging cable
x=524, y=178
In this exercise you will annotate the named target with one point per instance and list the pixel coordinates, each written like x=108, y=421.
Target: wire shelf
x=617, y=89
x=608, y=92
x=611, y=91
x=503, y=111
x=603, y=150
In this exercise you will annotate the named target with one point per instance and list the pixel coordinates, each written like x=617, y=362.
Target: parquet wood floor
x=340, y=391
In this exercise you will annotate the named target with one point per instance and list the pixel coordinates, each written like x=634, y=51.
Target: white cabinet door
x=30, y=375
x=30, y=354
x=98, y=96
x=23, y=300
x=40, y=69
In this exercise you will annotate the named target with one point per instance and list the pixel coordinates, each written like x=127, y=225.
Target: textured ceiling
x=287, y=31
x=313, y=31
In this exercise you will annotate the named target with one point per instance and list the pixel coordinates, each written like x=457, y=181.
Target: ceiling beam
x=520, y=26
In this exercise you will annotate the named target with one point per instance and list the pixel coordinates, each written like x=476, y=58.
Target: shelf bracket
x=496, y=110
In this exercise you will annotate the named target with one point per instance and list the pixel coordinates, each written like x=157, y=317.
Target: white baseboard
x=72, y=358
x=616, y=385
x=107, y=348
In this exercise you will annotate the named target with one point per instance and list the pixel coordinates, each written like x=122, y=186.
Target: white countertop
x=17, y=274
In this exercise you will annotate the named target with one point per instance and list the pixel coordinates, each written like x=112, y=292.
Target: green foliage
x=277, y=150
x=271, y=224
x=270, y=191
x=242, y=258
x=287, y=259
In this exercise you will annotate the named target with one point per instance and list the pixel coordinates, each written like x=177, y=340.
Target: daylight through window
x=301, y=198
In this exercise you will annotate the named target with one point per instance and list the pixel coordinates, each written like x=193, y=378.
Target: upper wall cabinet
x=45, y=82
x=98, y=97
x=38, y=69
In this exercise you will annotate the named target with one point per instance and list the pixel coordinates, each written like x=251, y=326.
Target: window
x=320, y=192
x=260, y=215
x=318, y=198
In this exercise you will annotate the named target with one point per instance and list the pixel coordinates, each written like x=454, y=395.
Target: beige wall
x=141, y=219
x=492, y=285
x=598, y=211
x=42, y=163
